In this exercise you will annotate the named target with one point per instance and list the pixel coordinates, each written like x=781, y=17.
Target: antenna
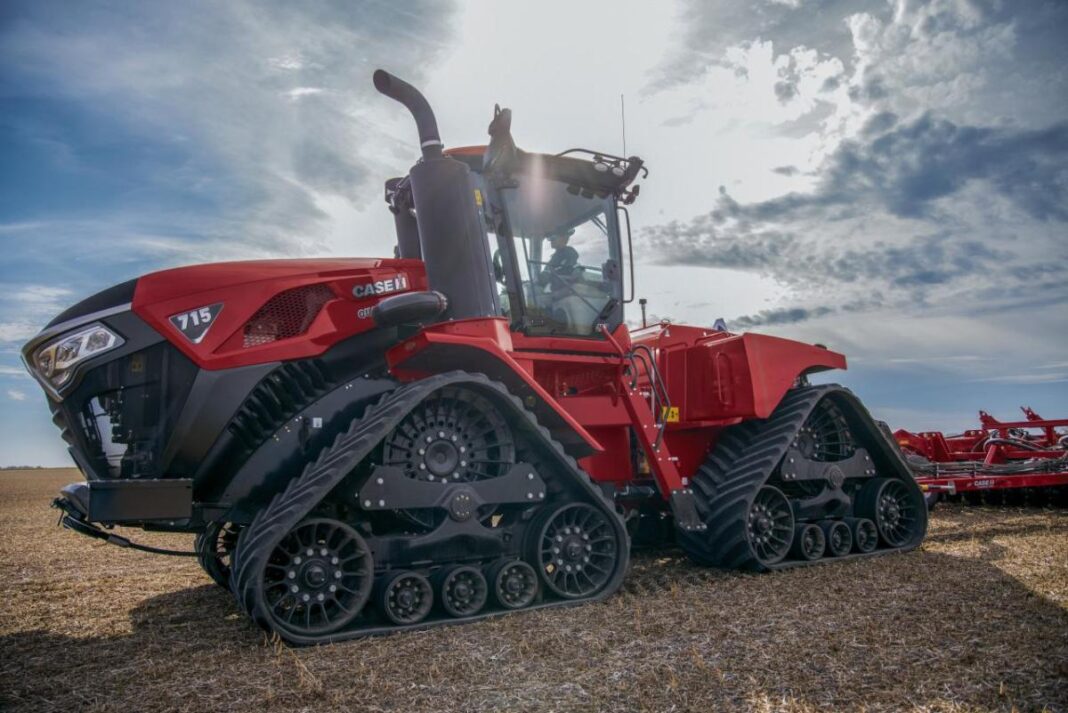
x=623, y=118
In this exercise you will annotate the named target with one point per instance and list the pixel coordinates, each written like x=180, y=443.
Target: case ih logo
x=396, y=283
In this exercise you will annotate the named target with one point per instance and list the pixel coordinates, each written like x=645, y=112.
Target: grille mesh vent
x=287, y=314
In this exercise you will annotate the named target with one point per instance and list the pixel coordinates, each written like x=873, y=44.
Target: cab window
x=566, y=247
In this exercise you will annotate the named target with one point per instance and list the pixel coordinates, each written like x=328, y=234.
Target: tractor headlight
x=54, y=362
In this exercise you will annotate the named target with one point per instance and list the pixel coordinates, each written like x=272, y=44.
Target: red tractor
x=467, y=429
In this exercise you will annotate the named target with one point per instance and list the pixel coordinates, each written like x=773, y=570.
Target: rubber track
x=204, y=545
x=741, y=463
x=303, y=493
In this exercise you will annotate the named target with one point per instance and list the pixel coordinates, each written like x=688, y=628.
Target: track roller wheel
x=463, y=591
x=214, y=548
x=576, y=550
x=893, y=507
x=839, y=537
x=405, y=598
x=865, y=534
x=809, y=542
x=318, y=578
x=770, y=525
x=515, y=584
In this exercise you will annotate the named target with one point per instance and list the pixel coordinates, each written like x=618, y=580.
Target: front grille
x=120, y=416
x=283, y=393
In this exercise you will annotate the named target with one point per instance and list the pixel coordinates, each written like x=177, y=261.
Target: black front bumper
x=77, y=502
x=129, y=501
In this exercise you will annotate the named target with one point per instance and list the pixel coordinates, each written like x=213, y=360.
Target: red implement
x=1000, y=455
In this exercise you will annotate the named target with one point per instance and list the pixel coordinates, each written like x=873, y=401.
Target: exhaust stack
x=400, y=91
x=452, y=234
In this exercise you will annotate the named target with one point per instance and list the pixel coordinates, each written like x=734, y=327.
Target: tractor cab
x=553, y=226
x=556, y=229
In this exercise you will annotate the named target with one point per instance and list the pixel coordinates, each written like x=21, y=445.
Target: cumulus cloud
x=148, y=136
x=1027, y=378
x=935, y=53
x=17, y=332
x=931, y=208
x=239, y=121
x=16, y=395
x=903, y=173
x=980, y=61
x=709, y=30
x=782, y=315
x=904, y=208
x=793, y=315
x=909, y=212
x=904, y=168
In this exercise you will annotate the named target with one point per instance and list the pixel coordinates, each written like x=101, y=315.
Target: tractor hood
x=143, y=377
x=222, y=315
x=234, y=314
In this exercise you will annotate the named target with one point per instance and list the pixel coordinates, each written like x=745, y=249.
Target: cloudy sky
x=886, y=178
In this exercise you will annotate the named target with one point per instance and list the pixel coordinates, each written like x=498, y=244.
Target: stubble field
x=975, y=620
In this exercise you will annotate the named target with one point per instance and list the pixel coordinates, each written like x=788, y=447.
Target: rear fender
x=775, y=364
x=741, y=376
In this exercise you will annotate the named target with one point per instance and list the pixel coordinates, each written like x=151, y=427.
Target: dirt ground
x=975, y=620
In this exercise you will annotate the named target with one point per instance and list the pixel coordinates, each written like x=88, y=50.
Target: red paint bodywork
x=982, y=449
x=578, y=387
x=244, y=287
x=715, y=378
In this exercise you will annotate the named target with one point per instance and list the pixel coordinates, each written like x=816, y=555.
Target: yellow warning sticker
x=478, y=198
x=671, y=415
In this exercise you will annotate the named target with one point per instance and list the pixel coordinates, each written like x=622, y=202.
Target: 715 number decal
x=195, y=323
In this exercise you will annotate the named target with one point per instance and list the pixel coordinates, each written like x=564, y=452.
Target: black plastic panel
x=139, y=500
x=105, y=299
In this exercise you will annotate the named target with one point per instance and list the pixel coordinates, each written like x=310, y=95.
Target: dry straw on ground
x=976, y=620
